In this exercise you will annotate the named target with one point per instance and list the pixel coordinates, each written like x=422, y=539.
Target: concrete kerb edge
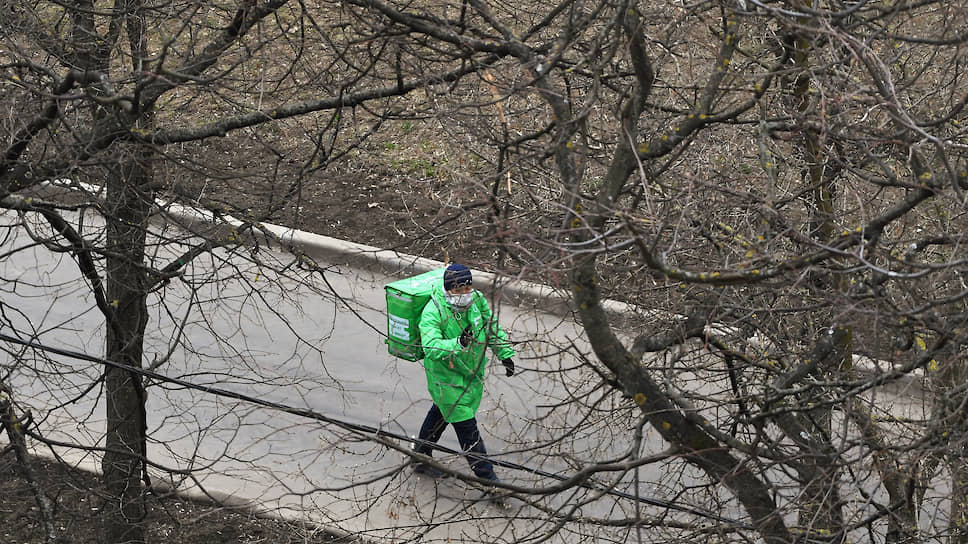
x=340, y=252
x=515, y=291
x=518, y=292
x=163, y=486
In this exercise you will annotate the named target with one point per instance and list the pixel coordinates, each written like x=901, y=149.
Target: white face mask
x=460, y=301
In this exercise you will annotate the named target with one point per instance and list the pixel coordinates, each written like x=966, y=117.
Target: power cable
x=369, y=430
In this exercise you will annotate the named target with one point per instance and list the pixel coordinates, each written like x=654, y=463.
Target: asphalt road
x=302, y=342
x=311, y=343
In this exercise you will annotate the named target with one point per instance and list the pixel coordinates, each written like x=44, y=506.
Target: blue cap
x=456, y=275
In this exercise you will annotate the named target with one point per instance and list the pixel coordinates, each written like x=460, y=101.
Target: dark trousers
x=467, y=434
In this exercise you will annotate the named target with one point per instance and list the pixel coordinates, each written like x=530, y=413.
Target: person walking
x=456, y=329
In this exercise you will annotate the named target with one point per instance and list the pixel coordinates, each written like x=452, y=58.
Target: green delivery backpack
x=406, y=299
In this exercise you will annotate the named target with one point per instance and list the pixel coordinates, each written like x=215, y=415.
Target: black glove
x=508, y=366
x=466, y=336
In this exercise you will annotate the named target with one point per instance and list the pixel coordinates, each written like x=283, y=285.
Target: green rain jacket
x=455, y=374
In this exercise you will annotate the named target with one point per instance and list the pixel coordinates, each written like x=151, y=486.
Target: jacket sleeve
x=436, y=347
x=496, y=339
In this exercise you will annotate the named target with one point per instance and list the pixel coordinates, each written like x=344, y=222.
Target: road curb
x=339, y=252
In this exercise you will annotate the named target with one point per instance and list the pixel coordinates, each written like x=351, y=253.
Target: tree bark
x=820, y=514
x=953, y=375
x=699, y=448
x=13, y=425
x=126, y=284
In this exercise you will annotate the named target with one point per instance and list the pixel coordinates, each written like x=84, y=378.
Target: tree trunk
x=953, y=376
x=698, y=447
x=959, y=497
x=820, y=515
x=123, y=516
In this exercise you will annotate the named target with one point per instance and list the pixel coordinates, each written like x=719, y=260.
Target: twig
x=13, y=426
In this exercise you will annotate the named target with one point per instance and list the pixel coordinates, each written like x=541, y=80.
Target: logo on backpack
x=406, y=299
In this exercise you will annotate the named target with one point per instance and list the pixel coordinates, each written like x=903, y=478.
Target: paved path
x=293, y=342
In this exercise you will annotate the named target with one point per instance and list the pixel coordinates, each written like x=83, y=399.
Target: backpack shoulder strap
x=437, y=304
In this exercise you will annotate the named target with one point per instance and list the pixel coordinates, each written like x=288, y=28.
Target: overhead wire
x=369, y=430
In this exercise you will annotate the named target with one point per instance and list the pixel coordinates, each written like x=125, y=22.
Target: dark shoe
x=429, y=470
x=496, y=496
x=498, y=499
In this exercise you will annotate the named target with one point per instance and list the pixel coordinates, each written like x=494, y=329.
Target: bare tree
x=780, y=183
x=771, y=167
x=102, y=97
